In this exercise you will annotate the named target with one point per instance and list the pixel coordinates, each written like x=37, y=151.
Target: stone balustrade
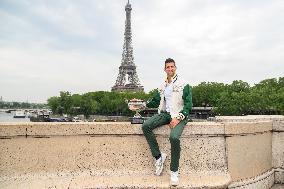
x=232, y=152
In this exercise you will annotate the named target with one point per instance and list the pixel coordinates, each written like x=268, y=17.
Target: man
x=175, y=102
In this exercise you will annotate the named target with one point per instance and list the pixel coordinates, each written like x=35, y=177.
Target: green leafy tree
x=237, y=98
x=207, y=94
x=88, y=106
x=65, y=102
x=53, y=103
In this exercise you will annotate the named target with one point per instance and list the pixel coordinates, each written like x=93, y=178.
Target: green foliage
x=237, y=98
x=53, y=103
x=207, y=94
x=100, y=102
x=21, y=105
x=266, y=97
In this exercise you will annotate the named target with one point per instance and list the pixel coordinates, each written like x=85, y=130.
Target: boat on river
x=19, y=114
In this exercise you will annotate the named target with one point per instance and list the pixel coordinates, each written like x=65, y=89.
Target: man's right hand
x=174, y=123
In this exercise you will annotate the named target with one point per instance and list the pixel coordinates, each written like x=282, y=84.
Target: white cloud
x=47, y=72
x=67, y=18
x=49, y=46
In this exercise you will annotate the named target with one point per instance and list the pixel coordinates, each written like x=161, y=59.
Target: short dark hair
x=168, y=60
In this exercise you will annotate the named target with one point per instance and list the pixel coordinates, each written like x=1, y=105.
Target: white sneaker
x=174, y=178
x=160, y=164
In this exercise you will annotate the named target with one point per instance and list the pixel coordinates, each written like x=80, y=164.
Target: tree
x=237, y=98
x=53, y=103
x=88, y=105
x=65, y=102
x=207, y=94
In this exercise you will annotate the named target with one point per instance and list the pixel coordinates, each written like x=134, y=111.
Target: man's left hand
x=174, y=123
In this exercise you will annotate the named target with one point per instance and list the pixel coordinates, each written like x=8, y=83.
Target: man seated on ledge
x=175, y=102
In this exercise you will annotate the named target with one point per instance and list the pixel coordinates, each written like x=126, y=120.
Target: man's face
x=170, y=69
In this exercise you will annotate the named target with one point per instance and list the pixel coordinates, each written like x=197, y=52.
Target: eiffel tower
x=127, y=79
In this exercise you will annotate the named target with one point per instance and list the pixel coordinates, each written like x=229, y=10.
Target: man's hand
x=174, y=123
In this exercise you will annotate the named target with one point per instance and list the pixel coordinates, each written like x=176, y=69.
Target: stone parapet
x=87, y=181
x=278, y=120
x=263, y=181
x=31, y=129
x=104, y=151
x=277, y=138
x=110, y=155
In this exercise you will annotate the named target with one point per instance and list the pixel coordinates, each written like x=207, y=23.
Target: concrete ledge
x=85, y=181
x=107, y=153
x=278, y=120
x=279, y=176
x=264, y=181
x=249, y=155
x=236, y=151
x=278, y=186
x=110, y=128
x=125, y=128
x=277, y=137
x=249, y=118
x=278, y=150
x=237, y=128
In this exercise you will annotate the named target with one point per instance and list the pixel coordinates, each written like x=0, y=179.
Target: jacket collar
x=174, y=79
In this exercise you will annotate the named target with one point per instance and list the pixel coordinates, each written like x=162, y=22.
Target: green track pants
x=157, y=121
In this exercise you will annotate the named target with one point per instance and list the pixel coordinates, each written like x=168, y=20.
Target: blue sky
x=67, y=45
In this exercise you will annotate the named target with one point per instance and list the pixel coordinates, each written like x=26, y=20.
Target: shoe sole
x=174, y=183
x=163, y=160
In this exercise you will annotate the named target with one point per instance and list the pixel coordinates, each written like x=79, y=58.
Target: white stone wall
x=239, y=152
x=277, y=139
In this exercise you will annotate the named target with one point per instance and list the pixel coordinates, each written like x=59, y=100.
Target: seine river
x=8, y=117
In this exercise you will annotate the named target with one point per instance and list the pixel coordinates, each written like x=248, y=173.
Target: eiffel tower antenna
x=127, y=79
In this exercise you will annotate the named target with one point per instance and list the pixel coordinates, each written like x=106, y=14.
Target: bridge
x=230, y=152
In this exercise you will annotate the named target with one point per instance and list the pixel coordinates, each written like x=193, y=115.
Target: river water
x=8, y=117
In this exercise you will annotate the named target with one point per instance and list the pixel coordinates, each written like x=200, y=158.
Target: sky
x=48, y=46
